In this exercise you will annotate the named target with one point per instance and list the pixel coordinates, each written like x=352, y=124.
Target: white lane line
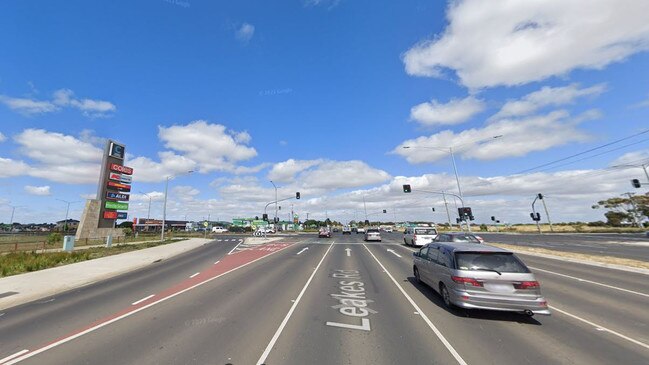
x=125, y=315
x=601, y=328
x=195, y=275
x=439, y=334
x=217, y=262
x=302, y=250
x=143, y=299
x=390, y=250
x=349, y=251
x=2, y=361
x=273, y=340
x=235, y=247
x=590, y=282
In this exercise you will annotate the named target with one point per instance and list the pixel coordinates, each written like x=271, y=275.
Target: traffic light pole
x=547, y=214
x=538, y=225
x=448, y=214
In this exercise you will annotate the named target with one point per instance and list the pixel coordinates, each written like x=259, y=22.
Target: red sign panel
x=118, y=186
x=121, y=169
x=110, y=215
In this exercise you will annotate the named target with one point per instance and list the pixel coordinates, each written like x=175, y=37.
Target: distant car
x=387, y=229
x=475, y=276
x=419, y=235
x=360, y=230
x=355, y=229
x=372, y=234
x=347, y=230
x=335, y=229
x=219, y=230
x=324, y=233
x=458, y=237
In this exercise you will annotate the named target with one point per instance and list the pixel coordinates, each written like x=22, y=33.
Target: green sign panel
x=117, y=205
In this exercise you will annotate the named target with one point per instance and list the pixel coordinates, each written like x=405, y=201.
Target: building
x=70, y=225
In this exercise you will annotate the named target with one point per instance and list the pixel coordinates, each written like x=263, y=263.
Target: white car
x=419, y=236
x=360, y=230
x=373, y=234
x=219, y=230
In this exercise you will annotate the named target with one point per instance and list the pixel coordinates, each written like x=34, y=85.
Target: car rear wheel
x=405, y=242
x=417, y=277
x=446, y=296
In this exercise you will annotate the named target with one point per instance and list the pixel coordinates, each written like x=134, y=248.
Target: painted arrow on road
x=304, y=249
x=395, y=254
x=349, y=251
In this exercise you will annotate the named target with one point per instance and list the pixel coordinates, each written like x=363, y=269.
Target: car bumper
x=467, y=300
x=373, y=239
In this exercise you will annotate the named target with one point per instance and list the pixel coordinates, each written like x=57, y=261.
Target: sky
x=321, y=97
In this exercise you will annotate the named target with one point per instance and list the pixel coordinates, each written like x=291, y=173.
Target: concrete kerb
x=40, y=284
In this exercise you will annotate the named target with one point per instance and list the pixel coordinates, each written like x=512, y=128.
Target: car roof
x=459, y=233
x=469, y=247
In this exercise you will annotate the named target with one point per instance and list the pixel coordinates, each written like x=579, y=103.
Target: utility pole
x=448, y=214
x=635, y=209
x=547, y=214
x=275, y=186
x=365, y=207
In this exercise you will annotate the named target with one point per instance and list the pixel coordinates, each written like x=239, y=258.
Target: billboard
x=117, y=196
x=121, y=169
x=127, y=179
x=116, y=205
x=116, y=150
x=118, y=186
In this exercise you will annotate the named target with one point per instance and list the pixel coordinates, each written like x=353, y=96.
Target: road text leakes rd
x=353, y=301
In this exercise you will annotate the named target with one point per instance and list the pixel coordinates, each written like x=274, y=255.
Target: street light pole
x=164, y=205
x=365, y=207
x=67, y=211
x=457, y=178
x=448, y=214
x=275, y=186
x=148, y=214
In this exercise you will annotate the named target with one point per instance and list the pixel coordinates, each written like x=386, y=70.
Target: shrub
x=54, y=238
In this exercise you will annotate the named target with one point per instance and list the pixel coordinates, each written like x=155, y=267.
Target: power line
x=584, y=152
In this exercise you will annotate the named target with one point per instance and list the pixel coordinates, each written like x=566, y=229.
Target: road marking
x=273, y=340
x=2, y=314
x=235, y=247
x=439, y=334
x=128, y=314
x=601, y=328
x=143, y=299
x=302, y=250
x=2, y=361
x=217, y=262
x=591, y=282
x=195, y=275
x=390, y=250
x=349, y=251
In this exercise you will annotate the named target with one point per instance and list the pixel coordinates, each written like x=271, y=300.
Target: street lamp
x=164, y=205
x=450, y=150
x=148, y=214
x=275, y=186
x=67, y=210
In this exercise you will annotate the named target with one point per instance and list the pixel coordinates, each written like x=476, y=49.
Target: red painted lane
x=227, y=264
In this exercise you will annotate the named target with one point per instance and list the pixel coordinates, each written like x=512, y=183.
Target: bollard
x=68, y=243
x=109, y=241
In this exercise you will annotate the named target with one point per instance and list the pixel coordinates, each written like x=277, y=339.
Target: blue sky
x=321, y=96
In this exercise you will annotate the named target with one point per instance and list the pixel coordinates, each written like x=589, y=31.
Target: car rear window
x=372, y=230
x=499, y=261
x=465, y=238
x=425, y=231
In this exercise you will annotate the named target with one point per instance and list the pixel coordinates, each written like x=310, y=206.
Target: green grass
x=21, y=262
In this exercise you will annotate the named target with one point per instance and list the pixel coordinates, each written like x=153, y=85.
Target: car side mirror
x=415, y=254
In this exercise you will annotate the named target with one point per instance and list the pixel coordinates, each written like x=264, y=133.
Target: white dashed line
x=195, y=275
x=217, y=262
x=143, y=299
x=590, y=282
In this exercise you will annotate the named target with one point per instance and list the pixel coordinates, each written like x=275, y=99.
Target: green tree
x=633, y=209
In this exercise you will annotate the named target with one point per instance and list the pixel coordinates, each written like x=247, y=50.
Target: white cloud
x=38, y=190
x=2, y=137
x=547, y=96
x=342, y=174
x=245, y=32
x=28, y=106
x=456, y=111
x=243, y=170
x=61, y=98
x=56, y=148
x=286, y=170
x=642, y=104
x=9, y=168
x=632, y=158
x=147, y=170
x=211, y=146
x=521, y=136
x=89, y=107
x=490, y=43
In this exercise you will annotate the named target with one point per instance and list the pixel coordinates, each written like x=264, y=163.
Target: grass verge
x=577, y=256
x=21, y=262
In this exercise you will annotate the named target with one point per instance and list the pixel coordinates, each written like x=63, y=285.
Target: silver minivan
x=419, y=236
x=478, y=276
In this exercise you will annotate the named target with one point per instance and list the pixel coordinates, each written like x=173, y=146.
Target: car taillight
x=527, y=285
x=414, y=237
x=466, y=281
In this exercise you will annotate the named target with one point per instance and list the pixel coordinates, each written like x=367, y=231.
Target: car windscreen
x=372, y=230
x=498, y=261
x=465, y=238
x=431, y=231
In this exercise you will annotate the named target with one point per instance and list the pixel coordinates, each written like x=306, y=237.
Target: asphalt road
x=630, y=246
x=281, y=304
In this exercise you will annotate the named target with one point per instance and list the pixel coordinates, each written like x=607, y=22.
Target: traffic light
x=385, y=211
x=535, y=216
x=367, y=222
x=407, y=189
x=636, y=183
x=540, y=196
x=433, y=209
x=493, y=218
x=265, y=217
x=457, y=220
x=276, y=219
x=464, y=212
x=297, y=195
